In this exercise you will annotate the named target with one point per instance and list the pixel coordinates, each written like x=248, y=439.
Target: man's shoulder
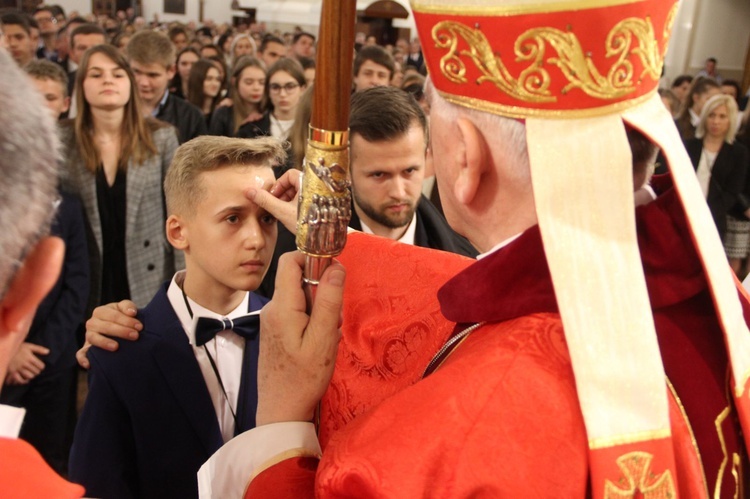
x=158, y=318
x=25, y=474
x=183, y=107
x=438, y=233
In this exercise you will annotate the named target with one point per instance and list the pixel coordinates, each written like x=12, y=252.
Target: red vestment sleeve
x=291, y=478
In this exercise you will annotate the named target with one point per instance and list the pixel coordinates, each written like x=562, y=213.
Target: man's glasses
x=275, y=88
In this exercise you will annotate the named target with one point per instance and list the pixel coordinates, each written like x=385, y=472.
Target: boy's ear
x=30, y=285
x=66, y=106
x=171, y=70
x=177, y=233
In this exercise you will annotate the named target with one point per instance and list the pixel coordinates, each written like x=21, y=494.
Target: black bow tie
x=246, y=326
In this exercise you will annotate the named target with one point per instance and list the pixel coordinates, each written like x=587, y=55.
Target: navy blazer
x=149, y=424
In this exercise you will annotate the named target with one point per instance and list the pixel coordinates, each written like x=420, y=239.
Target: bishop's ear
x=473, y=156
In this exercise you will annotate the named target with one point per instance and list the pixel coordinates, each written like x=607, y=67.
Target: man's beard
x=381, y=216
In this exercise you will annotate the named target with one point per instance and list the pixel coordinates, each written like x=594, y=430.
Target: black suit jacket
x=187, y=118
x=149, y=423
x=432, y=231
x=63, y=310
x=727, y=190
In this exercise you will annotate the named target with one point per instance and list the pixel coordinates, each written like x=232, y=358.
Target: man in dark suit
x=388, y=142
x=152, y=57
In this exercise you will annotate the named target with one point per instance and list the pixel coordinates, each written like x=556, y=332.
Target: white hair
x=29, y=153
x=508, y=136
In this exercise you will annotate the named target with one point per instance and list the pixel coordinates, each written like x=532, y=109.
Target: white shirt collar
x=177, y=299
x=407, y=238
x=503, y=244
x=11, y=419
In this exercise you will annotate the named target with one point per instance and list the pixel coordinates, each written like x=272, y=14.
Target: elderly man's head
x=29, y=261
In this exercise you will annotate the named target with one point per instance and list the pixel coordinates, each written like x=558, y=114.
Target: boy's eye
x=268, y=219
x=233, y=219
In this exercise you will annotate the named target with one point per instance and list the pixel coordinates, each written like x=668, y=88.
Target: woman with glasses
x=115, y=160
x=285, y=83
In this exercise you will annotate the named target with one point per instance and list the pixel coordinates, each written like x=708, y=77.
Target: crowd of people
x=126, y=93
x=153, y=121
x=713, y=118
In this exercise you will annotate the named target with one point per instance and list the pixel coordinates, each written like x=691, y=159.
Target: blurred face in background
x=185, y=63
x=212, y=83
x=251, y=84
x=717, y=122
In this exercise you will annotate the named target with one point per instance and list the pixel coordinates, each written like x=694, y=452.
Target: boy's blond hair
x=182, y=188
x=150, y=47
x=42, y=69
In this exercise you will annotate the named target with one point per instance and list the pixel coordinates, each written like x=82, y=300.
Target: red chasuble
x=25, y=475
x=500, y=417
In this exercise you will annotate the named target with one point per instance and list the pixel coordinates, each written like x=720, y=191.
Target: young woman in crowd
x=241, y=45
x=204, y=87
x=221, y=65
x=285, y=83
x=246, y=93
x=701, y=90
x=115, y=160
x=185, y=60
x=723, y=168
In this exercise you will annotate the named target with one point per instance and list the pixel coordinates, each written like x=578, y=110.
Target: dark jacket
x=149, y=423
x=62, y=311
x=222, y=122
x=727, y=192
x=432, y=231
x=256, y=128
x=187, y=118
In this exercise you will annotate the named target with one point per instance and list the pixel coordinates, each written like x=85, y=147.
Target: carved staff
x=325, y=201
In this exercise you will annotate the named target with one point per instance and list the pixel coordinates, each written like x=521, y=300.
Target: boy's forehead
x=41, y=80
x=259, y=175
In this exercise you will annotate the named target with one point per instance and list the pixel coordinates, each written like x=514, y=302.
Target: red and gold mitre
x=577, y=72
x=561, y=59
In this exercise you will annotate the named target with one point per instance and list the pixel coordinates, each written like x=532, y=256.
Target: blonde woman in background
x=722, y=166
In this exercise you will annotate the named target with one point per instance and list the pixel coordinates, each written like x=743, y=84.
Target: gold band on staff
x=328, y=138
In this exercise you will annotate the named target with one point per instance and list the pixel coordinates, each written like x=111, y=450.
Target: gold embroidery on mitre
x=637, y=477
x=532, y=84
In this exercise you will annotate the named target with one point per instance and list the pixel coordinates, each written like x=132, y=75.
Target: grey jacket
x=151, y=260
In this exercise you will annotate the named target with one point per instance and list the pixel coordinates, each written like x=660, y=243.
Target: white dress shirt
x=705, y=166
x=11, y=419
x=226, y=349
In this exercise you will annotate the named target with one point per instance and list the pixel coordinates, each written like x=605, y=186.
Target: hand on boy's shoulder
x=113, y=320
